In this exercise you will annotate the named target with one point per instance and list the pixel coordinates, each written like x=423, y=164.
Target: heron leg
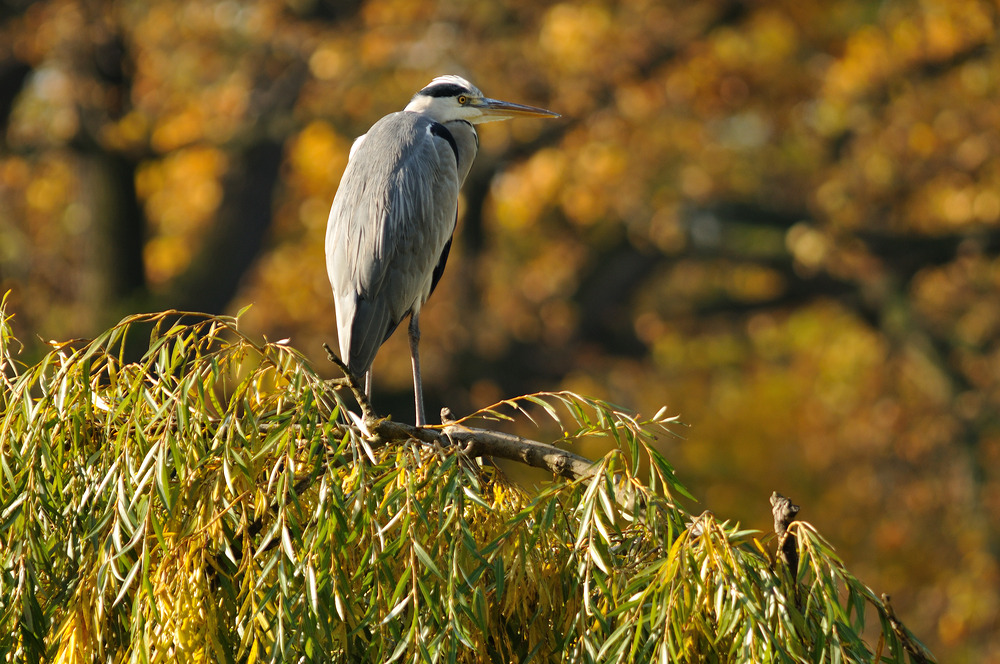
x=418, y=392
x=368, y=384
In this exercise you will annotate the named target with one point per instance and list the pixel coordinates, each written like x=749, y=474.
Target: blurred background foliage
x=782, y=219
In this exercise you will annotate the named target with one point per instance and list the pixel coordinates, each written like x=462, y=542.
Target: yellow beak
x=495, y=109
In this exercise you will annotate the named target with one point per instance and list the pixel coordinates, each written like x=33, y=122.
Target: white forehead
x=449, y=84
x=451, y=79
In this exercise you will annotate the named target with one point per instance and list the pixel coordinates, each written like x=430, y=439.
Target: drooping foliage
x=780, y=218
x=213, y=502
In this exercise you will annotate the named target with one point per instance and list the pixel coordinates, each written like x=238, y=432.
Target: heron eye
x=463, y=100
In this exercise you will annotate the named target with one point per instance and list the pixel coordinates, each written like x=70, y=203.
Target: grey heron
x=392, y=220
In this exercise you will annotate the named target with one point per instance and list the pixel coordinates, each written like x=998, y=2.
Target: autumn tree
x=215, y=501
x=779, y=218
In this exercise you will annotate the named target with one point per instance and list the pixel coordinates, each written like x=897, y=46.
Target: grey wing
x=390, y=223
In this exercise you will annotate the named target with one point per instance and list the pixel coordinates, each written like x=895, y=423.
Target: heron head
x=454, y=98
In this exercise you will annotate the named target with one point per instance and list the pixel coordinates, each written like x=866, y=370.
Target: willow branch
x=351, y=382
x=915, y=650
x=470, y=441
x=487, y=443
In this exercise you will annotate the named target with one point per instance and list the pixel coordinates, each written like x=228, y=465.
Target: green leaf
x=425, y=558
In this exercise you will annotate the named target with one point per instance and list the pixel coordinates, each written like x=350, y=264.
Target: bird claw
x=448, y=418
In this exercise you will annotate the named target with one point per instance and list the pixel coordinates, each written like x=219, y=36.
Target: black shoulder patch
x=438, y=129
x=439, y=268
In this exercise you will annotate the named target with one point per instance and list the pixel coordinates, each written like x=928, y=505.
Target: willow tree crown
x=215, y=500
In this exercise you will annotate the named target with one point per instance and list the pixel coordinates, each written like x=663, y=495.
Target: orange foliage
x=780, y=219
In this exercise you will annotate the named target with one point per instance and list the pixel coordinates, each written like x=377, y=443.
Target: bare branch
x=472, y=442
x=784, y=513
x=487, y=443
